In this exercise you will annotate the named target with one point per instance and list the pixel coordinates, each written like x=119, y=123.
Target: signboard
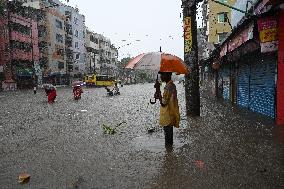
x=241, y=38
x=262, y=7
x=187, y=34
x=280, y=70
x=268, y=33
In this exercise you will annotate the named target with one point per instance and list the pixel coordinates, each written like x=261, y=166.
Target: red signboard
x=280, y=80
x=268, y=33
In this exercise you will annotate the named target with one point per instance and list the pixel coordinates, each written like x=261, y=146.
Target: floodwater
x=63, y=145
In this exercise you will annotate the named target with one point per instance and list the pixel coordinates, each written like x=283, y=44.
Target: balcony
x=94, y=45
x=17, y=36
x=68, y=41
x=70, y=58
x=21, y=55
x=19, y=20
x=69, y=55
x=43, y=52
x=68, y=29
x=68, y=16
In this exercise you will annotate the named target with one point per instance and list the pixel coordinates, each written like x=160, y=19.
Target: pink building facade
x=19, y=51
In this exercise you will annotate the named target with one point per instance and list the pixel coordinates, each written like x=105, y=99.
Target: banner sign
x=187, y=34
x=280, y=70
x=268, y=33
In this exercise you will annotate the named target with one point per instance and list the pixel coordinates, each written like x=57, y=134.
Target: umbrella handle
x=153, y=102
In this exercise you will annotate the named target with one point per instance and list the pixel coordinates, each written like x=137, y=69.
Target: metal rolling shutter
x=226, y=82
x=262, y=86
x=243, y=85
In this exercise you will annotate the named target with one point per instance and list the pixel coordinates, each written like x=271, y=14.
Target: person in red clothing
x=51, y=95
x=77, y=91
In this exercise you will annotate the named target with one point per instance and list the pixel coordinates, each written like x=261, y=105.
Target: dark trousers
x=168, y=130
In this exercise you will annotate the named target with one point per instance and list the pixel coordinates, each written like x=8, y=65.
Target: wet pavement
x=63, y=145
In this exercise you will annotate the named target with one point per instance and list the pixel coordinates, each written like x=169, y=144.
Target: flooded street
x=63, y=145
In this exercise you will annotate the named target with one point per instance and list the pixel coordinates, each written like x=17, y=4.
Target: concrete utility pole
x=192, y=94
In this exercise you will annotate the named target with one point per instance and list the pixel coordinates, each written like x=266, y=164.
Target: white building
x=101, y=54
x=75, y=41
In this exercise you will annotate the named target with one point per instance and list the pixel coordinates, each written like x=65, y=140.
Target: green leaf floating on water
x=111, y=130
x=108, y=129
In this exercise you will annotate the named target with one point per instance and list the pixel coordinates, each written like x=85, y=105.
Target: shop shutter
x=243, y=85
x=226, y=82
x=262, y=86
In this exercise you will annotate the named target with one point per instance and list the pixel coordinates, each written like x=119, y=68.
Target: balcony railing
x=17, y=36
x=21, y=55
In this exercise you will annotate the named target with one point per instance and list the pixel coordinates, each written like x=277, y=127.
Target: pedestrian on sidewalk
x=34, y=89
x=169, y=110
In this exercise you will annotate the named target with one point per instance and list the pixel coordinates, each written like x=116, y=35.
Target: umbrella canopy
x=158, y=61
x=48, y=86
x=77, y=83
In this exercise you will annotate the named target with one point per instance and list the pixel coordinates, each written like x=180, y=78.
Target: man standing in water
x=169, y=111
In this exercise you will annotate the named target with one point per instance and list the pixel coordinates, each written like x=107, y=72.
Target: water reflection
x=168, y=177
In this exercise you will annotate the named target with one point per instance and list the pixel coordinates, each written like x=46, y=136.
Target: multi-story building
x=51, y=40
x=92, y=54
x=101, y=54
x=20, y=42
x=217, y=20
x=75, y=40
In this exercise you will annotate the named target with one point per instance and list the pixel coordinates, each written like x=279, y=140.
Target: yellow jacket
x=169, y=114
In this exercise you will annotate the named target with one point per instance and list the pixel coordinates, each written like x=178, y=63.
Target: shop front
x=251, y=74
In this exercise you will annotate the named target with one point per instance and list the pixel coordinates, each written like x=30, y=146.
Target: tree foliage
x=121, y=64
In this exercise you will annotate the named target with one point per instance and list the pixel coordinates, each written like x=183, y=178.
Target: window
x=92, y=38
x=60, y=65
x=221, y=37
x=77, y=57
x=59, y=38
x=95, y=40
x=76, y=33
x=76, y=45
x=58, y=24
x=75, y=20
x=84, y=34
x=222, y=17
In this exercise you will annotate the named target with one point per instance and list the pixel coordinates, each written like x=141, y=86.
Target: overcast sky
x=154, y=22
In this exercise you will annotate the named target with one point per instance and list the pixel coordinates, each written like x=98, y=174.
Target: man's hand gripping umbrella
x=158, y=94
